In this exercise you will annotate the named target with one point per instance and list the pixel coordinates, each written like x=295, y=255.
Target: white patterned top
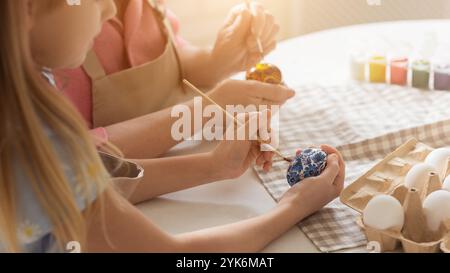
x=35, y=230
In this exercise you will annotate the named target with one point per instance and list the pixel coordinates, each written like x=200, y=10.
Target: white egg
x=384, y=212
x=437, y=208
x=418, y=176
x=446, y=185
x=439, y=160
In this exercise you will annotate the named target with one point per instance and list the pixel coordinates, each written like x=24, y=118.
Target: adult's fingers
x=253, y=53
x=269, y=48
x=270, y=92
x=252, y=44
x=270, y=28
x=258, y=18
x=242, y=22
x=233, y=15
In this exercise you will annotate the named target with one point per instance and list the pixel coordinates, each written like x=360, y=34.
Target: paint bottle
x=399, y=71
x=442, y=77
x=377, y=69
x=358, y=67
x=421, y=74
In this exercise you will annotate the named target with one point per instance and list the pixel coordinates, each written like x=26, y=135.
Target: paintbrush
x=258, y=40
x=190, y=85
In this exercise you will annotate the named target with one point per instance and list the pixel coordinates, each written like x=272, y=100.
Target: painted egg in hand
x=309, y=163
x=267, y=73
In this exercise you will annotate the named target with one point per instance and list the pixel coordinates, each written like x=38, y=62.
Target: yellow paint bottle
x=377, y=69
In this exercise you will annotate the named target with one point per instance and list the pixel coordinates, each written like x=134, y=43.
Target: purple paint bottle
x=442, y=77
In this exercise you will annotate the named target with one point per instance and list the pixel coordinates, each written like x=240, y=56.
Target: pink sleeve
x=76, y=85
x=100, y=136
x=176, y=28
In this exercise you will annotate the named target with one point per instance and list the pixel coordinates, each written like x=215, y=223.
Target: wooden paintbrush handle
x=193, y=87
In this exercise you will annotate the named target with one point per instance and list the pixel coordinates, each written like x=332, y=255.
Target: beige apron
x=139, y=90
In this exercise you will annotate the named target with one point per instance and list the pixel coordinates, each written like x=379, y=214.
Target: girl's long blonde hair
x=27, y=103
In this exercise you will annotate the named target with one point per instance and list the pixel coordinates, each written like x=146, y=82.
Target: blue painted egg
x=309, y=163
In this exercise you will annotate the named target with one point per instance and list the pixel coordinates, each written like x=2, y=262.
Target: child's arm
x=123, y=228
x=171, y=174
x=150, y=136
x=230, y=159
x=184, y=172
x=235, y=49
x=254, y=234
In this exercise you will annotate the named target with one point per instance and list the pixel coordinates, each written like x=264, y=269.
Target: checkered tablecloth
x=365, y=122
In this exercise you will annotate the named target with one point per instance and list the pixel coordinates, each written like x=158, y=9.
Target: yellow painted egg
x=267, y=73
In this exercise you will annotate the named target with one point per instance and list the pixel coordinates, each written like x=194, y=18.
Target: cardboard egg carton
x=446, y=245
x=387, y=177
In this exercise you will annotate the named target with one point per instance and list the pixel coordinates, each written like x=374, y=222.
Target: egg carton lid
x=381, y=179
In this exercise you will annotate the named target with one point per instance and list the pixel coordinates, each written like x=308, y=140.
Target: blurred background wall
x=201, y=19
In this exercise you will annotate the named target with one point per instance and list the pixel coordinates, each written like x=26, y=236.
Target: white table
x=317, y=58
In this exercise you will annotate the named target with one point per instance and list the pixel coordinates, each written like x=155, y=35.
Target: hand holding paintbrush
x=247, y=35
x=198, y=91
x=263, y=72
x=256, y=33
